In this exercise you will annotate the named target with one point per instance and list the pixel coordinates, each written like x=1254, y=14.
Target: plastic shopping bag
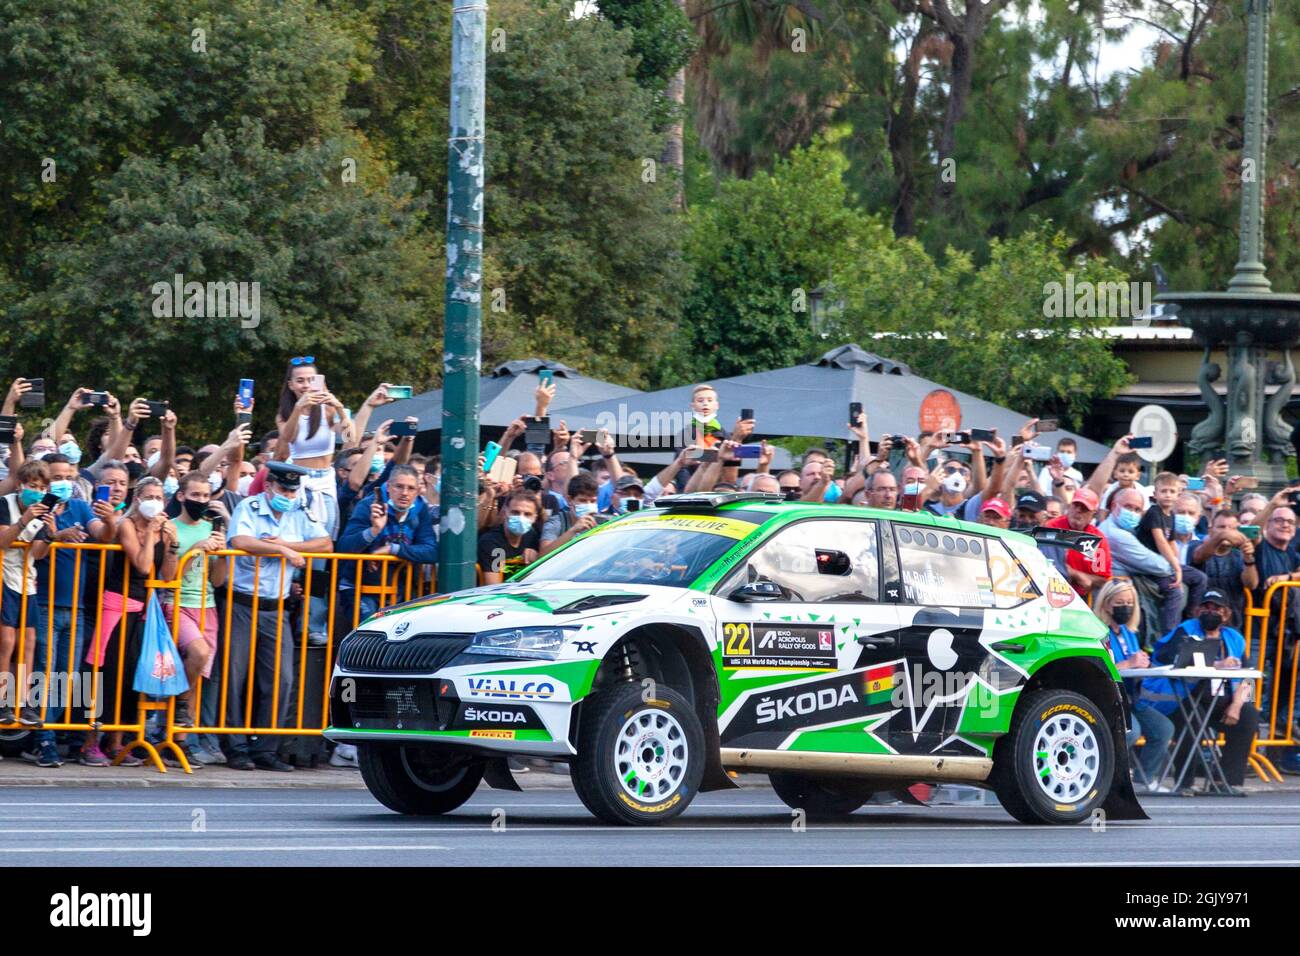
x=160, y=672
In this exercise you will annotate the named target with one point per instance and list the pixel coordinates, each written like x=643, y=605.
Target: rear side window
x=943, y=568
x=1012, y=584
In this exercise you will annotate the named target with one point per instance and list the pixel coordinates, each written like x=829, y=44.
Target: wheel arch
x=678, y=656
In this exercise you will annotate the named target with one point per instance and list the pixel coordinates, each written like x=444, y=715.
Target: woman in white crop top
x=308, y=420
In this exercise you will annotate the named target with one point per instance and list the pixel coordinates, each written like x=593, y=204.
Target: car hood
x=522, y=605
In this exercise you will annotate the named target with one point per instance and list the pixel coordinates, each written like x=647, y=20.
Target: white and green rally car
x=841, y=650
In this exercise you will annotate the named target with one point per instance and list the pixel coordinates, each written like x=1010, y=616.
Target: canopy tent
x=804, y=400
x=504, y=395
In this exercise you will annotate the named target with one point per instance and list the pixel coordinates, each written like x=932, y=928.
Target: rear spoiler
x=1083, y=542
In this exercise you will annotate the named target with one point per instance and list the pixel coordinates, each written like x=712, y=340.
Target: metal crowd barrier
x=398, y=580
x=1277, y=714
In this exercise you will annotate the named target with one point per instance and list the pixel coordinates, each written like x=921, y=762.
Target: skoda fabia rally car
x=840, y=650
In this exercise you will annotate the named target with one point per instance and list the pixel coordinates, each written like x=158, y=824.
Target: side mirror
x=833, y=562
x=755, y=592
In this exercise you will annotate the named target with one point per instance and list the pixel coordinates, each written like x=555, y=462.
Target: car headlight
x=534, y=642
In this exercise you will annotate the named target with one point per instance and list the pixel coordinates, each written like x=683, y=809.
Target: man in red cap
x=995, y=512
x=1084, y=573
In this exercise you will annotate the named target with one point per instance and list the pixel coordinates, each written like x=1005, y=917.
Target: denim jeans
x=63, y=638
x=1159, y=731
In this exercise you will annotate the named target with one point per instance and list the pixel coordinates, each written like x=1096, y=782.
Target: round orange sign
x=940, y=412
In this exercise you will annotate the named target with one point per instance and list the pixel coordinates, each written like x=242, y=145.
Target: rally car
x=840, y=650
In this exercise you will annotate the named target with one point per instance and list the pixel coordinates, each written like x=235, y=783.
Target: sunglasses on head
x=302, y=360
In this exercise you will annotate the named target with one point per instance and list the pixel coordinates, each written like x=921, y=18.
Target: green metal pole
x=458, y=536
x=1249, y=275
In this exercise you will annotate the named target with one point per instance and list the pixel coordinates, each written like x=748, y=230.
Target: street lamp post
x=458, y=530
x=1249, y=319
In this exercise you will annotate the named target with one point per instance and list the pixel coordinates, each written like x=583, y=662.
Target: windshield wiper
x=593, y=601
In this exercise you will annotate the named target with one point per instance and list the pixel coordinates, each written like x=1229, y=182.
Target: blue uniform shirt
x=255, y=518
x=75, y=512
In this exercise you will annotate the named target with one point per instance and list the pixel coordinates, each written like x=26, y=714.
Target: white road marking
x=293, y=848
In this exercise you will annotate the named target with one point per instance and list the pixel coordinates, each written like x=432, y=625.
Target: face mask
x=152, y=459
x=70, y=451
x=954, y=484
x=437, y=484
x=170, y=485
x=194, y=509
x=214, y=480
x=244, y=484
x=282, y=504
x=1067, y=459
x=1209, y=620
x=61, y=488
x=150, y=509
x=377, y=463
x=29, y=497
x=702, y=417
x=1128, y=520
x=1122, y=613
x=518, y=525
x=582, y=510
x=912, y=488
x=1184, y=524
x=38, y=455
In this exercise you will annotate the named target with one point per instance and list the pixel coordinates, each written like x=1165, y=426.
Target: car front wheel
x=1056, y=761
x=639, y=761
x=417, y=780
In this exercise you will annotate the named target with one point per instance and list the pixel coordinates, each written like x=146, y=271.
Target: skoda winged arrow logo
x=401, y=629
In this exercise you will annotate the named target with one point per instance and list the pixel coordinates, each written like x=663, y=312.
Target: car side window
x=1012, y=584
x=942, y=567
x=814, y=561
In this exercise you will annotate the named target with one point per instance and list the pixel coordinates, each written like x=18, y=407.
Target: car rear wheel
x=1056, y=762
x=417, y=780
x=819, y=799
x=639, y=761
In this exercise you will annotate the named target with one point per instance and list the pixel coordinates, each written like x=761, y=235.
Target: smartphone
x=1245, y=483
x=1047, y=425
x=537, y=434
x=633, y=504
x=317, y=383
x=157, y=409
x=1142, y=441
x=1251, y=531
x=749, y=451
x=829, y=445
x=8, y=427
x=983, y=434
x=246, y=392
x=399, y=391
x=959, y=438
x=404, y=429
x=217, y=518
x=94, y=399
x=746, y=414
x=855, y=409
x=50, y=499
x=702, y=454
x=490, y=455
x=36, y=397
x=590, y=435
x=1195, y=484
x=102, y=492
x=243, y=418
x=1038, y=453
x=503, y=469
x=546, y=376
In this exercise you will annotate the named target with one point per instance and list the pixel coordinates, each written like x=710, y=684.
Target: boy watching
x=1156, y=533
x=704, y=409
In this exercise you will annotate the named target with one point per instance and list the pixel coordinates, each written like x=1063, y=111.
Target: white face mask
x=703, y=416
x=954, y=484
x=151, y=508
x=244, y=484
x=214, y=480
x=152, y=460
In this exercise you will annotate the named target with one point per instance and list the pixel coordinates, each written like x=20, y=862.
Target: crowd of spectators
x=324, y=480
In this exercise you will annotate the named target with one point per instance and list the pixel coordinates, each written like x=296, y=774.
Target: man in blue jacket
x=394, y=519
x=1233, y=715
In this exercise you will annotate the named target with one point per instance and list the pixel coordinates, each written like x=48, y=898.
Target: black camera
x=532, y=483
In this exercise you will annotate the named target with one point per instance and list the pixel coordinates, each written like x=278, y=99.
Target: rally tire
x=416, y=780
x=819, y=799
x=1056, y=762
x=639, y=761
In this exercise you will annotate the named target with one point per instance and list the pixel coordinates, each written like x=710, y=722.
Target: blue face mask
x=377, y=463
x=29, y=497
x=1184, y=524
x=281, y=503
x=70, y=451
x=518, y=525
x=1128, y=520
x=437, y=483
x=582, y=510
x=912, y=488
x=1067, y=459
x=170, y=485
x=61, y=488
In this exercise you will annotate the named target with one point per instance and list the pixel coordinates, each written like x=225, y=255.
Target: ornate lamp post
x=1249, y=318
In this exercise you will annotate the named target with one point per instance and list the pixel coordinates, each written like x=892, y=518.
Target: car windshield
x=643, y=555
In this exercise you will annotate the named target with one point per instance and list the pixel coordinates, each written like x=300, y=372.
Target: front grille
x=392, y=705
x=372, y=651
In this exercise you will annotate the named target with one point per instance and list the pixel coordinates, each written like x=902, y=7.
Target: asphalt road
x=247, y=827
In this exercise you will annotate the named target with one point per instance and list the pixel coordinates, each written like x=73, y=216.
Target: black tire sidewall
x=603, y=717
x=388, y=779
x=819, y=799
x=1038, y=709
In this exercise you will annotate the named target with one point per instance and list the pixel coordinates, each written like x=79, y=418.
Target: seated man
x=1132, y=559
x=1233, y=714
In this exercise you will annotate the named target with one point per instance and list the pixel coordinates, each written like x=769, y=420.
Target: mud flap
x=1122, y=802
x=498, y=776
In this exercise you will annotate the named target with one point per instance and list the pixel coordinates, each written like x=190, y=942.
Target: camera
x=532, y=483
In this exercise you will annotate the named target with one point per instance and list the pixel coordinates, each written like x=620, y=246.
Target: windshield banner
x=710, y=524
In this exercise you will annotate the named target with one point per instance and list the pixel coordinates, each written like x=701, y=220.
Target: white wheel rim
x=650, y=756
x=1067, y=758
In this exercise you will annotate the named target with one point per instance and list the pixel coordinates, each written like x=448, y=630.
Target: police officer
x=274, y=524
